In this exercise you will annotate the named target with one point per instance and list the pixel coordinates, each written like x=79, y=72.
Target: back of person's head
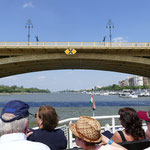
x=127, y=116
x=87, y=129
x=13, y=127
x=14, y=117
x=48, y=116
x=131, y=122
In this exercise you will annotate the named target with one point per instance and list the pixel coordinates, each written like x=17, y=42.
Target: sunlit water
x=70, y=105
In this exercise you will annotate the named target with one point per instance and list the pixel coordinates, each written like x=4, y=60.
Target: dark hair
x=88, y=143
x=85, y=142
x=132, y=123
x=49, y=117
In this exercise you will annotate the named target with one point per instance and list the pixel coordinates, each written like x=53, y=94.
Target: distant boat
x=144, y=94
x=97, y=93
x=128, y=94
x=106, y=93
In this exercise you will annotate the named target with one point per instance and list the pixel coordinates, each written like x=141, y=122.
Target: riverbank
x=21, y=93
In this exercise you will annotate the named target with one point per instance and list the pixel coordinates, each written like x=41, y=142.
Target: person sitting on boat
x=87, y=135
x=145, y=115
x=47, y=120
x=132, y=126
x=13, y=126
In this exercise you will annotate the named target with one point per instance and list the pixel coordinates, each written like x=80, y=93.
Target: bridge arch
x=31, y=58
x=33, y=63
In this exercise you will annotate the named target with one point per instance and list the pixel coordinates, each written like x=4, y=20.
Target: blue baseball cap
x=17, y=108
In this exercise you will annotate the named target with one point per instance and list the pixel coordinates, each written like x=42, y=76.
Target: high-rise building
x=131, y=81
x=146, y=81
x=135, y=81
x=138, y=81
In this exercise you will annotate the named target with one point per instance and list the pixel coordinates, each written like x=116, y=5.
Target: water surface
x=70, y=105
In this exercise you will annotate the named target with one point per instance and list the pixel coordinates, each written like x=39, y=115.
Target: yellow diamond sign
x=70, y=51
x=67, y=51
x=74, y=51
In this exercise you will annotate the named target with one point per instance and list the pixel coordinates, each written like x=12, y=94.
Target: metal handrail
x=95, y=117
x=75, y=44
x=68, y=121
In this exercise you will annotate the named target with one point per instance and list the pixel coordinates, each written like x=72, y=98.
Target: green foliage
x=15, y=89
x=115, y=87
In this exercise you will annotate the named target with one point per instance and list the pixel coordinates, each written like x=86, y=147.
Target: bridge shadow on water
x=86, y=104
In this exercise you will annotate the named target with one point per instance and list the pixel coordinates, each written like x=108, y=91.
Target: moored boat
x=144, y=94
x=128, y=94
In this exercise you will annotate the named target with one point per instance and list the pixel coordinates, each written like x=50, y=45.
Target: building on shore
x=135, y=81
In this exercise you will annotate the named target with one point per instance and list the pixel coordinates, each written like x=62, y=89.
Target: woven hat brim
x=74, y=131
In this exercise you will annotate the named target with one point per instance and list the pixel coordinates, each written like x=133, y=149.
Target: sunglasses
x=34, y=115
x=147, y=122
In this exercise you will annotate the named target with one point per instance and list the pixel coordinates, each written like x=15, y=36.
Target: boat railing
x=112, y=126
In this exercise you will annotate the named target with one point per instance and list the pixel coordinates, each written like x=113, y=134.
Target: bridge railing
x=74, y=44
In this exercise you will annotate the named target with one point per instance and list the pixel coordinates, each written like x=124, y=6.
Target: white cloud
x=28, y=5
x=119, y=39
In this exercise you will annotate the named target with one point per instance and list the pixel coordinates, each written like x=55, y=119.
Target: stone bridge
x=24, y=57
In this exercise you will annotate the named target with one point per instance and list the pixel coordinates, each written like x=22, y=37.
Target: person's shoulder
x=37, y=131
x=42, y=146
x=60, y=132
x=116, y=137
x=116, y=134
x=37, y=146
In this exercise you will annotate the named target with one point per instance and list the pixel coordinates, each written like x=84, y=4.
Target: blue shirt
x=54, y=139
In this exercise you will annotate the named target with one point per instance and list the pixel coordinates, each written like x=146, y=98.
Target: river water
x=70, y=105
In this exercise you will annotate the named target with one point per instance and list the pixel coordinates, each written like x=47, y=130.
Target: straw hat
x=87, y=129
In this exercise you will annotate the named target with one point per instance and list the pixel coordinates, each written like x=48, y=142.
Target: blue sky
x=73, y=20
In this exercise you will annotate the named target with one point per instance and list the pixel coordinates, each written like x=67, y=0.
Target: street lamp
x=110, y=26
x=29, y=25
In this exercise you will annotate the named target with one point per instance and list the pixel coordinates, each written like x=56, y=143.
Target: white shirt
x=18, y=141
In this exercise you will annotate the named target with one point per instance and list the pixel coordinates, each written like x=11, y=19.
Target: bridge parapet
x=76, y=44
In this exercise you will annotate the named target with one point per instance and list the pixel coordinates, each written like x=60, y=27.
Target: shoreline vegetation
x=113, y=87
x=6, y=90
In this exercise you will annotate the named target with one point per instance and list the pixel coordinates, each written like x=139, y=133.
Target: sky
x=72, y=21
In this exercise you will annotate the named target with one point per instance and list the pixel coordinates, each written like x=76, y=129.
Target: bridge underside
x=18, y=64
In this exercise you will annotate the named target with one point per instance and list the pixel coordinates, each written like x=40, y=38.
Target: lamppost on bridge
x=110, y=26
x=29, y=25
